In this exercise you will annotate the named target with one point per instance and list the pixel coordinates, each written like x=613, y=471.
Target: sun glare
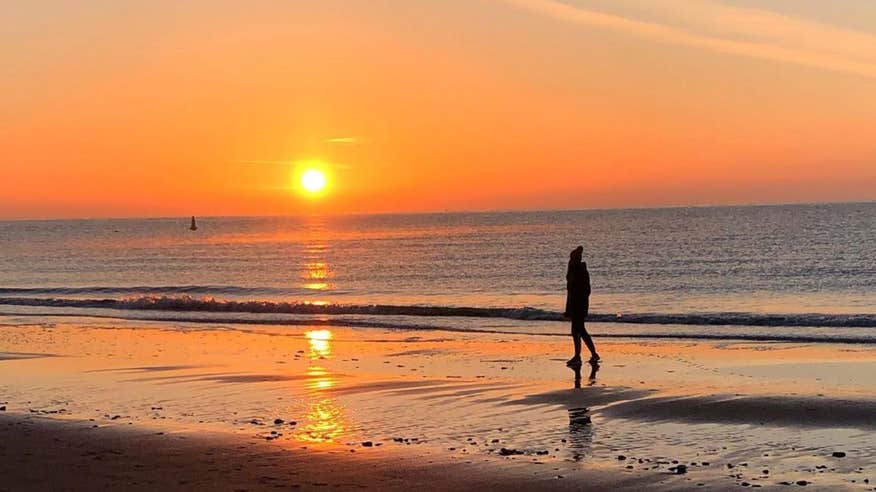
x=313, y=180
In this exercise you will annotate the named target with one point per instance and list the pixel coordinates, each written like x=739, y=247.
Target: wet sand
x=51, y=455
x=155, y=405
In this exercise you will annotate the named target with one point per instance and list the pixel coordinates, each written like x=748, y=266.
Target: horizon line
x=444, y=212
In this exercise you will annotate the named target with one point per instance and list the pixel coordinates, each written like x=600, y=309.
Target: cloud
x=344, y=140
x=738, y=31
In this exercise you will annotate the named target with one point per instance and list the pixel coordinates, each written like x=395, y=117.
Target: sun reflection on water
x=317, y=272
x=320, y=343
x=325, y=422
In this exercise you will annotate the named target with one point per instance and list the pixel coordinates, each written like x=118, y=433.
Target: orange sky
x=152, y=108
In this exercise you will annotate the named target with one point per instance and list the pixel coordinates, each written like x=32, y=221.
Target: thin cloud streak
x=780, y=38
x=344, y=140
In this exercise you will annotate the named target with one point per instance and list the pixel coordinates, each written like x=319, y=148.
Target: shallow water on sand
x=468, y=396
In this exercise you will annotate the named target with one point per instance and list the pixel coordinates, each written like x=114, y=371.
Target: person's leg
x=589, y=342
x=576, y=337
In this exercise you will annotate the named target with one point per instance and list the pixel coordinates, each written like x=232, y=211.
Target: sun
x=313, y=181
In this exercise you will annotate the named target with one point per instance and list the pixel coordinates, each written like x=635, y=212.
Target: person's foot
x=574, y=361
x=596, y=358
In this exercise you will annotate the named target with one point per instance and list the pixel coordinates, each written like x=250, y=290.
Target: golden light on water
x=325, y=423
x=316, y=273
x=320, y=343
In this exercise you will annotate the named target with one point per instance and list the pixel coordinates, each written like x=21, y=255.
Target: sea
x=760, y=273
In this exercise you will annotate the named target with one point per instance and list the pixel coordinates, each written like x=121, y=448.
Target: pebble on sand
x=839, y=454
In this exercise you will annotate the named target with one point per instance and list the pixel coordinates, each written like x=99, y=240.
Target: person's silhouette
x=578, y=305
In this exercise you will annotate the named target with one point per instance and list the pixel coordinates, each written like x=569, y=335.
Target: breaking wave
x=186, y=303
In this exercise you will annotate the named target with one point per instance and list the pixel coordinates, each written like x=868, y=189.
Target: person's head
x=576, y=254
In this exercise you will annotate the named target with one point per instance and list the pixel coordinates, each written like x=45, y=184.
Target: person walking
x=578, y=305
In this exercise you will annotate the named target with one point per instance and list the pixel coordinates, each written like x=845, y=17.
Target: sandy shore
x=177, y=407
x=43, y=454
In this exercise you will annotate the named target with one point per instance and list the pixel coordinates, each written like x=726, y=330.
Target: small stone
x=3, y=408
x=839, y=454
x=680, y=469
x=509, y=452
x=802, y=483
x=279, y=421
x=621, y=457
x=745, y=484
x=367, y=444
x=765, y=472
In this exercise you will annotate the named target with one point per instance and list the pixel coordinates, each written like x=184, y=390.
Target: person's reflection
x=591, y=379
x=580, y=424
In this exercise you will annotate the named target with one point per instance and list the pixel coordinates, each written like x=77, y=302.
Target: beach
x=136, y=405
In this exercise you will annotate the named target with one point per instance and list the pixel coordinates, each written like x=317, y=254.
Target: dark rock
x=680, y=469
x=3, y=408
x=802, y=483
x=765, y=472
x=509, y=452
x=745, y=484
x=839, y=454
x=621, y=457
x=279, y=421
x=367, y=444
x=541, y=453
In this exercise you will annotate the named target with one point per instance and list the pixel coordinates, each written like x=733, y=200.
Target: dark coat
x=577, y=290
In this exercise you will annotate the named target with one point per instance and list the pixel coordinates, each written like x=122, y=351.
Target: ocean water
x=761, y=272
